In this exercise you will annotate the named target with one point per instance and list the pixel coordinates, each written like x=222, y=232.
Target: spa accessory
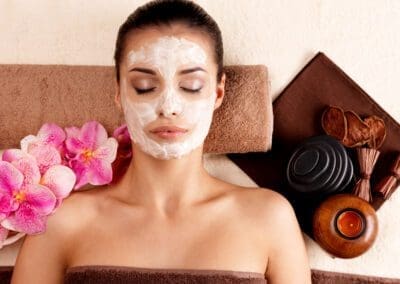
x=367, y=158
x=72, y=95
x=320, y=83
x=297, y=116
x=352, y=131
x=389, y=183
x=345, y=225
x=319, y=166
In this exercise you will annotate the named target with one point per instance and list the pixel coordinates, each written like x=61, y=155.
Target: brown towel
x=117, y=274
x=318, y=277
x=72, y=95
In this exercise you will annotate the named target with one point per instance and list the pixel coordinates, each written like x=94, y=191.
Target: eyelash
x=143, y=91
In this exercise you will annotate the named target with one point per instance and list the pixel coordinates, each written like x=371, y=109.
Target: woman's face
x=168, y=89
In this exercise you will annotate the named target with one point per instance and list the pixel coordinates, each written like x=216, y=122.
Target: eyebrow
x=186, y=71
x=143, y=70
x=151, y=72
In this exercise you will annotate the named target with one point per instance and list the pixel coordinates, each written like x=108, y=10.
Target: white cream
x=167, y=54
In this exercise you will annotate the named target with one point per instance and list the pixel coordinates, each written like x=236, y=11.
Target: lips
x=168, y=129
x=167, y=132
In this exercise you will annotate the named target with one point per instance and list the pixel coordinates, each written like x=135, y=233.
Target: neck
x=166, y=186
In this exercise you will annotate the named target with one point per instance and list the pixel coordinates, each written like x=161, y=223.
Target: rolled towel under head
x=67, y=95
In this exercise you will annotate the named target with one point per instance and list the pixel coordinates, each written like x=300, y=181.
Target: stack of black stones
x=317, y=168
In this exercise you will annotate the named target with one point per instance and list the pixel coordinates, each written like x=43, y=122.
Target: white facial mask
x=167, y=54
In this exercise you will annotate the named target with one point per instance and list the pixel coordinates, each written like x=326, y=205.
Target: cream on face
x=167, y=54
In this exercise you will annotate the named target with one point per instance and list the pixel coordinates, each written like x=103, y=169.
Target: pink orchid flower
x=47, y=146
x=24, y=201
x=59, y=179
x=122, y=135
x=124, y=153
x=91, y=153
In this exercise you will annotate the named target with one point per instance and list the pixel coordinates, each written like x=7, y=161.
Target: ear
x=117, y=96
x=220, y=92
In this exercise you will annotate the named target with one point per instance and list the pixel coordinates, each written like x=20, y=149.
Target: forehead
x=149, y=36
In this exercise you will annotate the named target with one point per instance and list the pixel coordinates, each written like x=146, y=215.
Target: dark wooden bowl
x=345, y=225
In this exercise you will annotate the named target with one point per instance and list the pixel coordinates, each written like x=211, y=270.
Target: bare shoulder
x=76, y=213
x=274, y=210
x=43, y=257
x=66, y=221
x=281, y=232
x=267, y=203
x=75, y=210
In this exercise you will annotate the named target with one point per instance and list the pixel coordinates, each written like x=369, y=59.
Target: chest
x=200, y=242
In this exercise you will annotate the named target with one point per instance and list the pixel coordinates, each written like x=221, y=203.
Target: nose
x=170, y=105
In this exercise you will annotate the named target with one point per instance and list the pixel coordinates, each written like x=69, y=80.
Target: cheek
x=195, y=112
x=146, y=112
x=139, y=113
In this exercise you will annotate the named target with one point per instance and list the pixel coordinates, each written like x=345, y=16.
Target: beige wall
x=361, y=36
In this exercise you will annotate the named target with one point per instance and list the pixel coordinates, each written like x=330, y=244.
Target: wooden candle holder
x=345, y=225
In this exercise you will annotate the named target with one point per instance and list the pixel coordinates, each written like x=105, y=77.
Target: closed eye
x=191, y=90
x=143, y=91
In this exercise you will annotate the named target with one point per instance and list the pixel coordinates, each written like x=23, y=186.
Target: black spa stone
x=340, y=171
x=319, y=165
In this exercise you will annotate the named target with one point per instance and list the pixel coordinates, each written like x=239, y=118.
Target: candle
x=350, y=223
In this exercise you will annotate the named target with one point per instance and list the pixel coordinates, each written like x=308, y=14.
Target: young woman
x=167, y=212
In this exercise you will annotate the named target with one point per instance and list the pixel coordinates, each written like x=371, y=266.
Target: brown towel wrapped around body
x=318, y=277
x=32, y=95
x=119, y=274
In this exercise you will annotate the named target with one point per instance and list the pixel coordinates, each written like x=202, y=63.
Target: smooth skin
x=153, y=219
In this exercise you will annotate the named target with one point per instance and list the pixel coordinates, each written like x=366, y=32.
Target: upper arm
x=287, y=260
x=42, y=258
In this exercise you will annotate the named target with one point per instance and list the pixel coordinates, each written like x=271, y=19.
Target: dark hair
x=166, y=12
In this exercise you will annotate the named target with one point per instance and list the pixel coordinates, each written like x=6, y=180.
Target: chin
x=171, y=151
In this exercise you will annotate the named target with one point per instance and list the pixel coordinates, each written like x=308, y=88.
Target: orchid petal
x=51, y=134
x=41, y=198
x=26, y=220
x=72, y=131
x=121, y=133
x=81, y=172
x=27, y=141
x=93, y=134
x=74, y=146
x=60, y=180
x=64, y=154
x=124, y=142
x=6, y=205
x=107, y=151
x=46, y=156
x=11, y=155
x=100, y=172
x=2, y=216
x=93, y=171
x=29, y=168
x=10, y=178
